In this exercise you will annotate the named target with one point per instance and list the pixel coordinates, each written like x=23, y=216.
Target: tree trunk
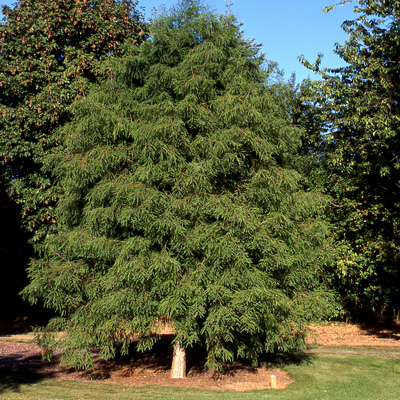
x=178, y=370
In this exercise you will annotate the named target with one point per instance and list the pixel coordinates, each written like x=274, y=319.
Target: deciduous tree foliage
x=50, y=53
x=180, y=206
x=357, y=111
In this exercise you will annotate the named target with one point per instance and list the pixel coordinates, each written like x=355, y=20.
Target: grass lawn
x=327, y=376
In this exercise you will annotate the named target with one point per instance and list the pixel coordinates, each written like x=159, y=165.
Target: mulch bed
x=153, y=368
x=141, y=370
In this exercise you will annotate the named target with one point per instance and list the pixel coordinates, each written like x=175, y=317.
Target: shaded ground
x=19, y=360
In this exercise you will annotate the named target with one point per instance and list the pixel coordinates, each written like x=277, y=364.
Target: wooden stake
x=178, y=370
x=273, y=381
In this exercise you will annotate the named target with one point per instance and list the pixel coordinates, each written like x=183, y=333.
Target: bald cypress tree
x=180, y=206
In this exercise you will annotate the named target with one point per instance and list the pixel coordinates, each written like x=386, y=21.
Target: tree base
x=178, y=370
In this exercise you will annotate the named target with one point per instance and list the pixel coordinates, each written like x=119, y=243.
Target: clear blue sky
x=286, y=28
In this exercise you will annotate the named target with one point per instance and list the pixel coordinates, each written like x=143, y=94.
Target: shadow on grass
x=12, y=380
x=281, y=360
x=22, y=366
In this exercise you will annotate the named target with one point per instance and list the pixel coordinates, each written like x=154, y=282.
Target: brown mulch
x=352, y=335
x=154, y=368
x=142, y=370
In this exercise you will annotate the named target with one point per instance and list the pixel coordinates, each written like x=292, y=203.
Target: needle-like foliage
x=180, y=206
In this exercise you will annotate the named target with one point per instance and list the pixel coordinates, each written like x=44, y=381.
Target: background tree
x=180, y=206
x=51, y=51
x=357, y=112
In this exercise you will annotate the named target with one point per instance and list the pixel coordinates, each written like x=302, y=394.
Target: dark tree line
x=352, y=116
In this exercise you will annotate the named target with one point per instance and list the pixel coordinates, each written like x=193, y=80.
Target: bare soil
x=19, y=354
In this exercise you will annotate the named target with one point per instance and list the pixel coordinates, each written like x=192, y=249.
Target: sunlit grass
x=327, y=376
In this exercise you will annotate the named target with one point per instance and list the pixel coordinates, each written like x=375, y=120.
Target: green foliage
x=51, y=52
x=357, y=110
x=180, y=206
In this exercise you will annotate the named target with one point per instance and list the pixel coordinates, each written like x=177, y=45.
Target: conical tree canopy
x=180, y=205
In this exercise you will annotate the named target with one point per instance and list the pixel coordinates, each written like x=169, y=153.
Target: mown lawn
x=328, y=376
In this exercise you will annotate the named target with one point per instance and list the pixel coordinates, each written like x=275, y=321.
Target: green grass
x=327, y=376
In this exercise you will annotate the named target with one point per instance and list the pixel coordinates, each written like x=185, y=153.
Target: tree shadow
x=158, y=359
x=22, y=364
x=12, y=380
x=284, y=359
x=382, y=331
x=19, y=369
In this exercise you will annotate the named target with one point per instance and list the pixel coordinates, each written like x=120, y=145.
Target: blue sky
x=286, y=28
